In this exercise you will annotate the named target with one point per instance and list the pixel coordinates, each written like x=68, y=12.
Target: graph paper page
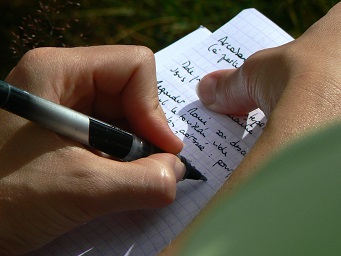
x=215, y=144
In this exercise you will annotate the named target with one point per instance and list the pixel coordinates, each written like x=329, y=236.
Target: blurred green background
x=26, y=24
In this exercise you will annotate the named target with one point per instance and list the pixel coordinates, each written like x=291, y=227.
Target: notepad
x=215, y=144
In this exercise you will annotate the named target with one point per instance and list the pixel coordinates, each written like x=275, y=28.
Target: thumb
x=141, y=184
x=253, y=85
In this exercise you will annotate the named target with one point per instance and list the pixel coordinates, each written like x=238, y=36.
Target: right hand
x=50, y=184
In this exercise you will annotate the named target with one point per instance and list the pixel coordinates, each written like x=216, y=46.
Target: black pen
x=82, y=128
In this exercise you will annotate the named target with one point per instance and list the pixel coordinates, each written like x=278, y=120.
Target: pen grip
x=118, y=143
x=109, y=139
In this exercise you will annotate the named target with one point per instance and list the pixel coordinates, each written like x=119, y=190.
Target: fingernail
x=206, y=90
x=179, y=170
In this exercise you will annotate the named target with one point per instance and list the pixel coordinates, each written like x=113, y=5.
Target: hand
x=297, y=85
x=50, y=184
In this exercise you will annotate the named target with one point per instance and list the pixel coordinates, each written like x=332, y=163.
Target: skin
x=50, y=184
x=297, y=85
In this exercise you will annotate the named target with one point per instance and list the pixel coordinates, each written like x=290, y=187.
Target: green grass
x=152, y=23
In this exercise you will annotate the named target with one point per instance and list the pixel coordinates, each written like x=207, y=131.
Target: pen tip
x=191, y=172
x=203, y=178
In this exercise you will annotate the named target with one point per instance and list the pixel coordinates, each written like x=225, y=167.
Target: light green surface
x=292, y=207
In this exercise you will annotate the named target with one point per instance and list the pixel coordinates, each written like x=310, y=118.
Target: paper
x=214, y=143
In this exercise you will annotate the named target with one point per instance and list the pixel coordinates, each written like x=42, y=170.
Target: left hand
x=296, y=85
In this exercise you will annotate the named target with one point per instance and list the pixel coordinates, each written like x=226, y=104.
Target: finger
x=249, y=87
x=110, y=186
x=261, y=80
x=223, y=91
x=66, y=186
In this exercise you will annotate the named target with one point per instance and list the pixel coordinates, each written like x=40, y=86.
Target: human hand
x=297, y=85
x=50, y=184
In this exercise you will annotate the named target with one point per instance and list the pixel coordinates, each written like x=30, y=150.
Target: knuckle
x=34, y=56
x=26, y=69
x=145, y=54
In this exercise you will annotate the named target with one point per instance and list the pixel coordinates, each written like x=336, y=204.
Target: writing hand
x=50, y=184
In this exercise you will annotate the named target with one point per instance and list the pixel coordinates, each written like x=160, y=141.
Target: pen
x=82, y=128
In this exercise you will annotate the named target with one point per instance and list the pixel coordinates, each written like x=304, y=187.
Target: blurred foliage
x=26, y=24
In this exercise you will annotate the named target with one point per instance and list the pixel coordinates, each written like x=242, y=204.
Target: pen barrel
x=55, y=117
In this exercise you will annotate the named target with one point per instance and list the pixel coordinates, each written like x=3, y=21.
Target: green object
x=291, y=207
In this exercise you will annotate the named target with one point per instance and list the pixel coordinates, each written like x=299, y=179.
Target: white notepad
x=215, y=144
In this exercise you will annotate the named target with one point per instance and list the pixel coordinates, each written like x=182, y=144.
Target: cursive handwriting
x=193, y=112
x=163, y=91
x=195, y=126
x=173, y=110
x=221, y=163
x=192, y=138
x=170, y=121
x=220, y=147
x=223, y=42
x=163, y=102
x=221, y=134
x=176, y=73
x=255, y=121
x=189, y=76
x=241, y=123
x=216, y=50
x=247, y=126
x=219, y=49
x=235, y=144
x=187, y=65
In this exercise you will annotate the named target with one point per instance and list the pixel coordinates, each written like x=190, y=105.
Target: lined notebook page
x=215, y=144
